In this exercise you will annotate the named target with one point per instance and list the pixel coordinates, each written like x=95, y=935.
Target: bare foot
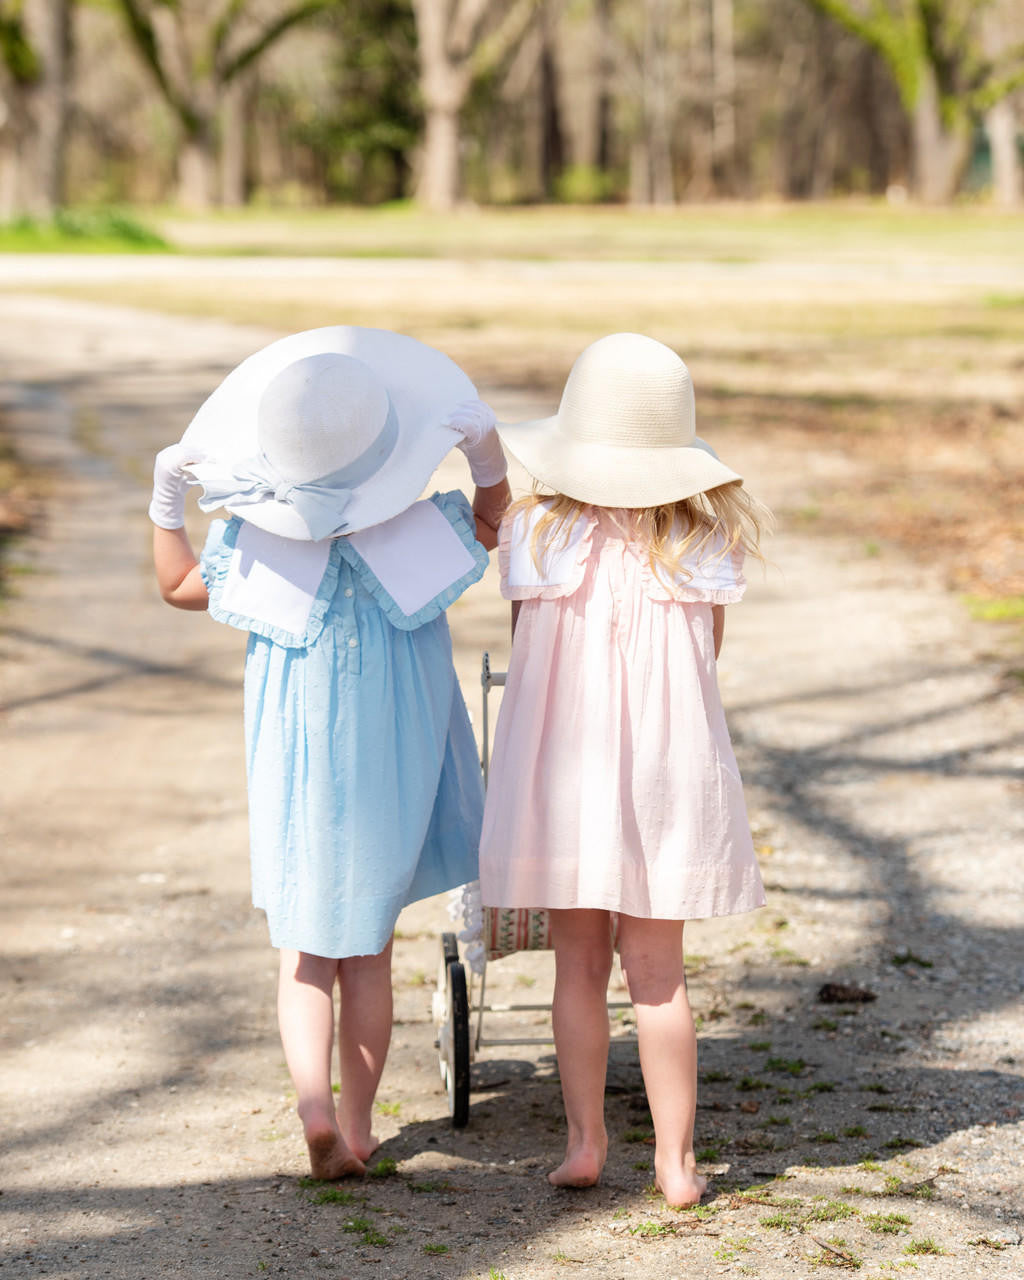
x=680, y=1183
x=364, y=1147
x=581, y=1168
x=361, y=1141
x=330, y=1156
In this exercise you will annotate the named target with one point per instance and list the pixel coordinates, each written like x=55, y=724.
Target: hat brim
x=424, y=386
x=613, y=475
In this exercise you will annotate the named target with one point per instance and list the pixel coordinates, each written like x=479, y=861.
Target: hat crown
x=628, y=390
x=319, y=414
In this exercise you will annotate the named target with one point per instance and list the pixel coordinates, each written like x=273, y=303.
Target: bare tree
x=459, y=41
x=936, y=54
x=193, y=57
x=35, y=60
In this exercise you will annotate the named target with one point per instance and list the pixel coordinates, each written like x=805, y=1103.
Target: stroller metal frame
x=454, y=999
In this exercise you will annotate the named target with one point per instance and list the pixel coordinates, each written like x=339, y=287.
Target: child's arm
x=487, y=466
x=489, y=503
x=177, y=570
x=718, y=626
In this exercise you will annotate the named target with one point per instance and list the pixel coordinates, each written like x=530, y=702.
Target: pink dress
x=613, y=782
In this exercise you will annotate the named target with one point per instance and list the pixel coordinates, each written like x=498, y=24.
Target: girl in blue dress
x=364, y=785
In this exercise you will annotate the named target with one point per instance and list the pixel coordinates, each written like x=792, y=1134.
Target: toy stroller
x=491, y=933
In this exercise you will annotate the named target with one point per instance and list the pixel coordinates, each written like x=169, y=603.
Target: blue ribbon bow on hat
x=319, y=503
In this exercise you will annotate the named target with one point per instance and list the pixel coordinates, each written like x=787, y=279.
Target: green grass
x=886, y=1223
x=1001, y=609
x=435, y=1248
x=333, y=1195
x=82, y=231
x=927, y=1245
x=832, y=1211
x=780, y=1221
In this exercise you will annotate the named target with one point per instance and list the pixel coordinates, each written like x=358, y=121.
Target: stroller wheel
x=451, y=1018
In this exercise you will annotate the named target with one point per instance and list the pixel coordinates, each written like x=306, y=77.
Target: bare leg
x=305, y=1014
x=652, y=961
x=364, y=1034
x=583, y=961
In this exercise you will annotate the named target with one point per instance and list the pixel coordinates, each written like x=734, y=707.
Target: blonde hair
x=726, y=518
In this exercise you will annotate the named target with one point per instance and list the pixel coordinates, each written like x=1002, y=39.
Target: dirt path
x=146, y=1118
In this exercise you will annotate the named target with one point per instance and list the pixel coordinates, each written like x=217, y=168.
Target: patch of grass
x=855, y=1131
x=824, y=1024
x=832, y=1211
x=436, y=1248
x=927, y=1245
x=908, y=957
x=388, y=1108
x=780, y=1221
x=364, y=1228
x=819, y=1086
x=385, y=1168
x=886, y=1223
x=638, y=1135
x=897, y=1143
x=874, y=1088
x=826, y=1136
x=792, y=1066
x=870, y=1165
x=715, y=1077
x=778, y=1120
x=707, y=1155
x=750, y=1084
x=652, y=1230
x=757, y=1019
x=643, y=1166
x=760, y=1046
x=996, y=609
x=334, y=1195
x=783, y=955
x=81, y=231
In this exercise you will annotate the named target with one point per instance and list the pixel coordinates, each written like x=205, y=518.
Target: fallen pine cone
x=837, y=993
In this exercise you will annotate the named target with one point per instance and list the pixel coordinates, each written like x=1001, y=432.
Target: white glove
x=170, y=484
x=480, y=443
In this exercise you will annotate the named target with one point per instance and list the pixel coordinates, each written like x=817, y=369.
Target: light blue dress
x=365, y=791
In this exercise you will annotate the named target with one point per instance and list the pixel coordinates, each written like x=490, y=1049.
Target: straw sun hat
x=328, y=431
x=624, y=434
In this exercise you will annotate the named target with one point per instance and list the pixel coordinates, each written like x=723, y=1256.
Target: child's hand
x=170, y=484
x=480, y=443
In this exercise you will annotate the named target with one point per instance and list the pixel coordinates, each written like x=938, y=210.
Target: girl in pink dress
x=613, y=788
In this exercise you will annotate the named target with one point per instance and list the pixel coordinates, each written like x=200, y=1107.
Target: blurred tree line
x=645, y=101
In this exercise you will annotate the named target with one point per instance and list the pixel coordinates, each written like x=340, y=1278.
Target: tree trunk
x=1001, y=126
x=444, y=84
x=234, y=137
x=940, y=150
x=552, y=137
x=603, y=76
x=438, y=186
x=700, y=132
x=34, y=133
x=197, y=168
x=656, y=102
x=723, y=105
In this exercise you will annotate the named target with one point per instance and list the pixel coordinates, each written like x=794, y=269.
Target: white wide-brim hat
x=423, y=387
x=625, y=431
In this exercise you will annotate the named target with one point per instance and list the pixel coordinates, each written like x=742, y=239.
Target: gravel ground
x=146, y=1110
